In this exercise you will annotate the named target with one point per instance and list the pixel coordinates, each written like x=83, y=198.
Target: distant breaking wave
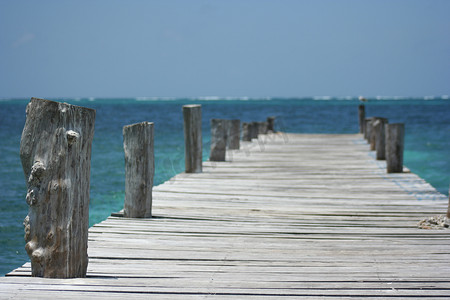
x=316, y=98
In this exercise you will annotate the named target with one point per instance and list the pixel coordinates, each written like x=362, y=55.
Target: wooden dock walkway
x=289, y=216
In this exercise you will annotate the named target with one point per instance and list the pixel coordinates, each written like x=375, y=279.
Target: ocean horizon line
x=236, y=98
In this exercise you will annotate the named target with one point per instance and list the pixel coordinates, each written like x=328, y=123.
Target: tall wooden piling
x=380, y=138
x=218, y=140
x=233, y=134
x=55, y=151
x=139, y=169
x=192, y=116
x=395, y=134
x=361, y=118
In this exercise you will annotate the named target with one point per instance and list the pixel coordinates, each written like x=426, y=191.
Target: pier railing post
x=361, y=118
x=192, y=116
x=380, y=138
x=139, y=169
x=394, y=147
x=218, y=140
x=55, y=151
x=233, y=134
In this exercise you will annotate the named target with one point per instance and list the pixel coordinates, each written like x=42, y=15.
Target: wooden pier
x=286, y=216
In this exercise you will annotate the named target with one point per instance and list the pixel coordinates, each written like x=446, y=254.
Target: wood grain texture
x=286, y=216
x=192, y=124
x=138, y=144
x=233, y=134
x=380, y=138
x=55, y=151
x=395, y=135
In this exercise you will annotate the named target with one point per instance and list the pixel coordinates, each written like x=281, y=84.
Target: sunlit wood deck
x=291, y=215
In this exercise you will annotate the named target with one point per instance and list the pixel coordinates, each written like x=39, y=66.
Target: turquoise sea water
x=427, y=144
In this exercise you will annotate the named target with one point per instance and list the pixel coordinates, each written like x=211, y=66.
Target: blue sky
x=255, y=48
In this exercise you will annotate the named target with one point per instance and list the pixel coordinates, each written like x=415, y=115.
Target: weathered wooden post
x=361, y=118
x=366, y=122
x=373, y=132
x=380, y=138
x=368, y=128
x=218, y=140
x=233, y=134
x=254, y=130
x=246, y=132
x=271, y=124
x=448, y=209
x=227, y=126
x=55, y=150
x=139, y=169
x=395, y=134
x=262, y=127
x=251, y=130
x=192, y=115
